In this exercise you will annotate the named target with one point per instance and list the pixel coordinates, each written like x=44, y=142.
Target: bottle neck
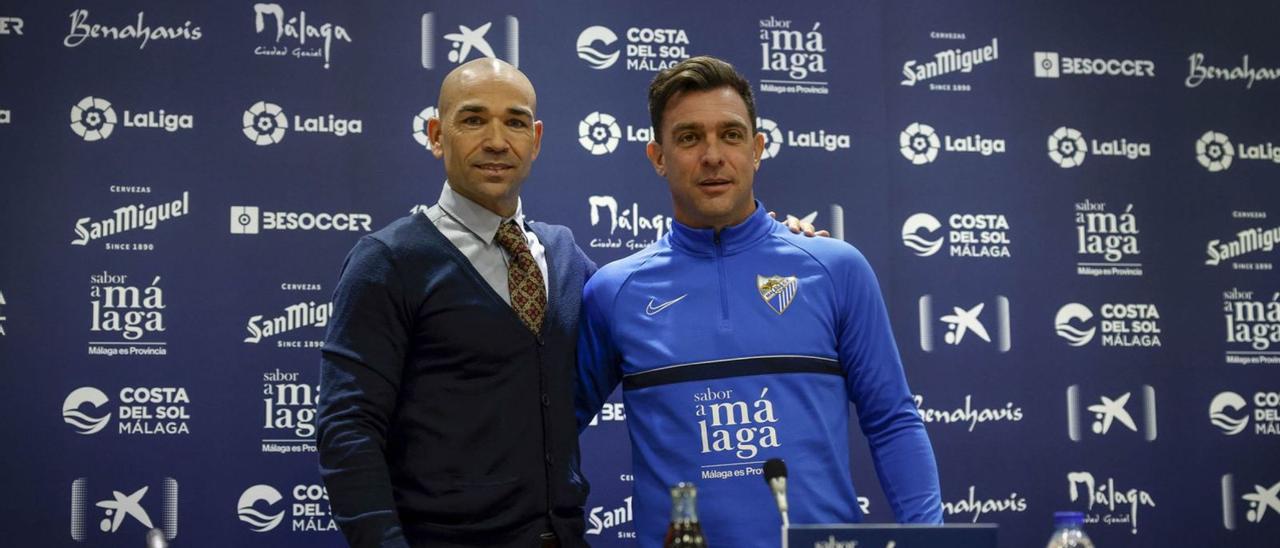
x=684, y=505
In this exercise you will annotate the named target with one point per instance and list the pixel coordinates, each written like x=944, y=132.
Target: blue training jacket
x=744, y=346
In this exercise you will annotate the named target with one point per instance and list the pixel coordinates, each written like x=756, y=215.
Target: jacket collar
x=732, y=239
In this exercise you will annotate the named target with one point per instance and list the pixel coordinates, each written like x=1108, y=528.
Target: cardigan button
x=546, y=400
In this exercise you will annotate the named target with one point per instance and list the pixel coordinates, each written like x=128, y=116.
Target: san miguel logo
x=777, y=291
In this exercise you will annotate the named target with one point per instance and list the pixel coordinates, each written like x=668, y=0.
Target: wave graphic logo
x=772, y=137
x=84, y=423
x=258, y=521
x=587, y=52
x=911, y=237
x=1074, y=312
x=1218, y=413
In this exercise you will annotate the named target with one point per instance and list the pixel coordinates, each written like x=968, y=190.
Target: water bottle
x=1069, y=531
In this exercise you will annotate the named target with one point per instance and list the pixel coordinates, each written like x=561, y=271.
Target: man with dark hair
x=737, y=342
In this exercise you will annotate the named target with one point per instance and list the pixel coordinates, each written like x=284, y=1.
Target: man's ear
x=433, y=136
x=654, y=151
x=759, y=149
x=537, y=139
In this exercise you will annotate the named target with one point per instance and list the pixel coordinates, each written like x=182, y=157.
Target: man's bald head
x=481, y=72
x=486, y=133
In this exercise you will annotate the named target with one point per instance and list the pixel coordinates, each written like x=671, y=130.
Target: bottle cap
x=1068, y=518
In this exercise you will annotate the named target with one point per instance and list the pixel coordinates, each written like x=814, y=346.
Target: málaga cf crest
x=777, y=291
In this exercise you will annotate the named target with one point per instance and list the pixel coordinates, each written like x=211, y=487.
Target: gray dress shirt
x=473, y=230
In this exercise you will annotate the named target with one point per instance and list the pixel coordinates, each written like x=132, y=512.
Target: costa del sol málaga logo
x=83, y=423
x=1218, y=413
x=265, y=123
x=93, y=118
x=599, y=133
x=919, y=143
x=772, y=137
x=592, y=56
x=1214, y=151
x=258, y=521
x=1078, y=313
x=1067, y=147
x=921, y=246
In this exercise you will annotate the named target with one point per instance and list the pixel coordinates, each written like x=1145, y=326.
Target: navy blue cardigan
x=443, y=420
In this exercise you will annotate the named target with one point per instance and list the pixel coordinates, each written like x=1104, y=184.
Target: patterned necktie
x=524, y=280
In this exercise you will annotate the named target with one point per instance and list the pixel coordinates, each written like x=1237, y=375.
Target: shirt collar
x=732, y=239
x=474, y=217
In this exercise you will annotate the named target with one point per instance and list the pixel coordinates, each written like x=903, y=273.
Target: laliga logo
x=420, y=126
x=599, y=133
x=912, y=239
x=83, y=423
x=93, y=118
x=1078, y=313
x=772, y=137
x=919, y=143
x=265, y=123
x=592, y=56
x=1214, y=151
x=1218, y=416
x=258, y=521
x=1067, y=147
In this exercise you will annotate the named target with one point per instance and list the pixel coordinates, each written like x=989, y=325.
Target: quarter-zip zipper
x=724, y=295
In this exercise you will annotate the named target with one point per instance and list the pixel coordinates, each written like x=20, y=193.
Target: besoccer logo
x=911, y=237
x=1214, y=151
x=84, y=423
x=772, y=137
x=265, y=123
x=420, y=126
x=599, y=133
x=260, y=522
x=1074, y=312
x=93, y=118
x=1046, y=64
x=1218, y=413
x=592, y=56
x=919, y=143
x=244, y=219
x=1067, y=147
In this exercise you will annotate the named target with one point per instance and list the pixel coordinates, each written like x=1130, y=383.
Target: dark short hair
x=702, y=73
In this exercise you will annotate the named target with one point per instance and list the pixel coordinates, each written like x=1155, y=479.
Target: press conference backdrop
x=1072, y=208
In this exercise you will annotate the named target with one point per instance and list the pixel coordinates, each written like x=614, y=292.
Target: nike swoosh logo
x=651, y=310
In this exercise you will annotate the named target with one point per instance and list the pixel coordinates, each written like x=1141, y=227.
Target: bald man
x=446, y=410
